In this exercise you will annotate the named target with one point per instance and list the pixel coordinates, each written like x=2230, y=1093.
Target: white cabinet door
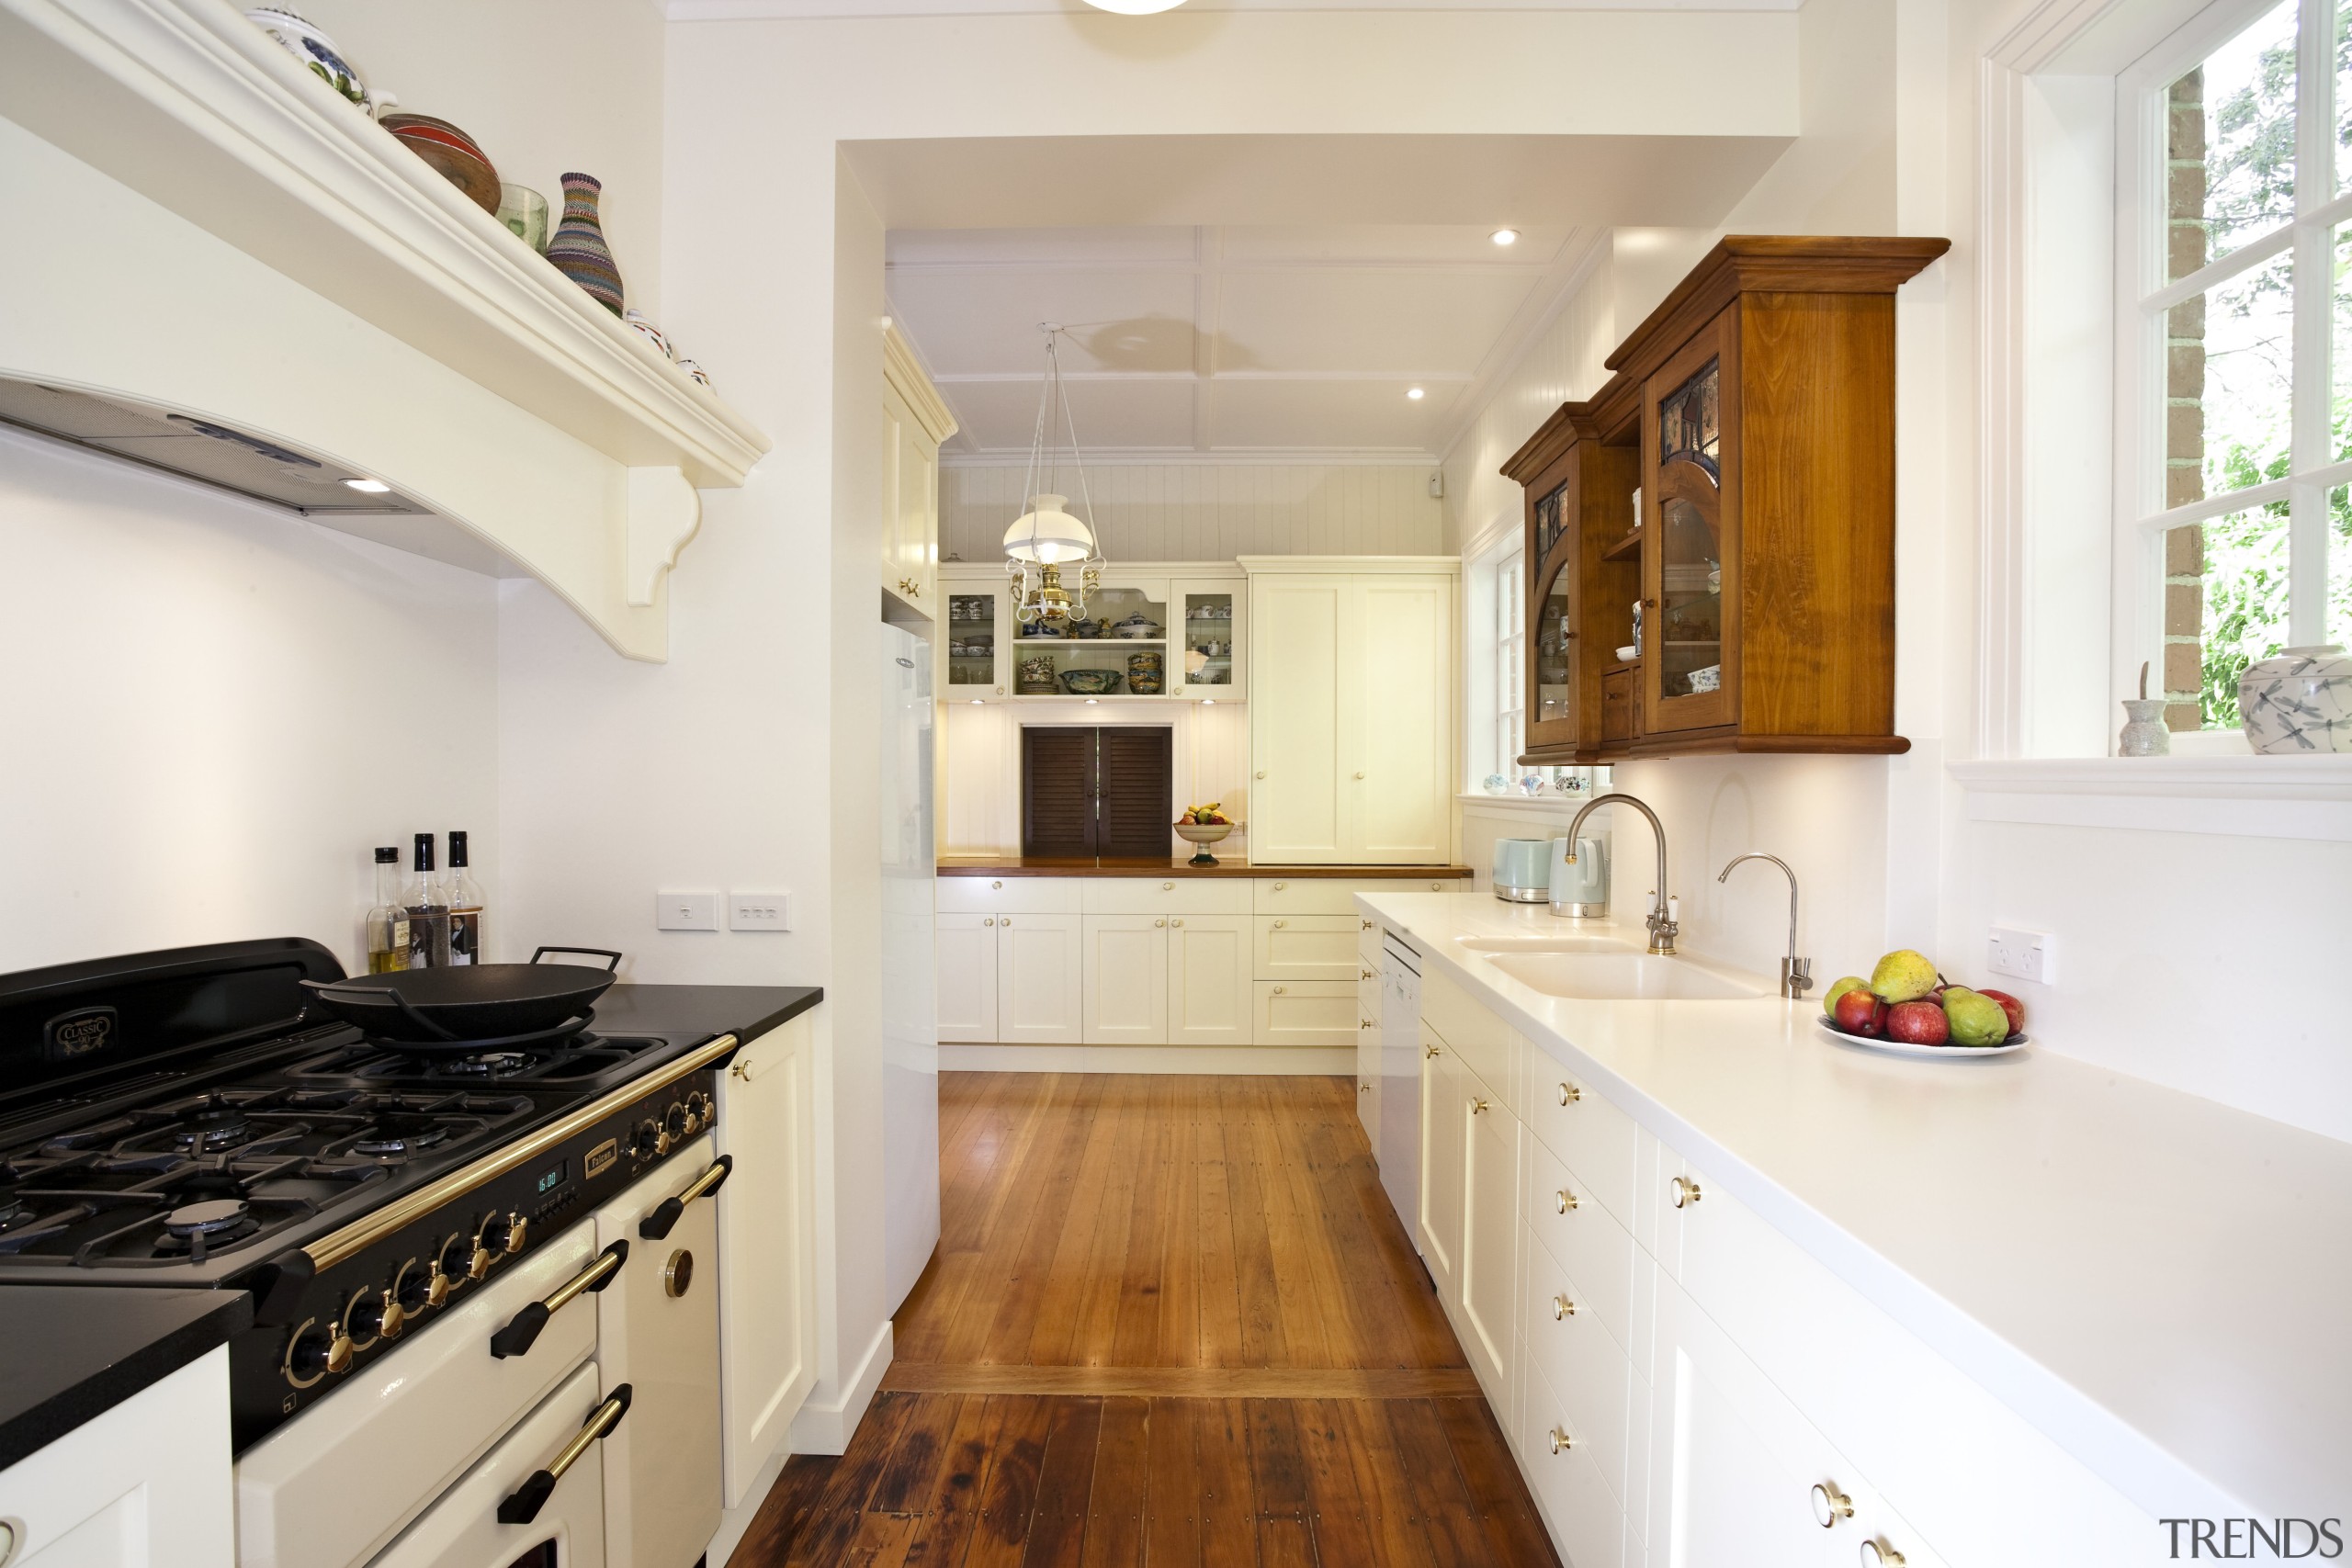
x=914, y=422
x=967, y=949
x=145, y=1484
x=1490, y=1228
x=1038, y=969
x=1397, y=732
x=1124, y=979
x=1207, y=618
x=1208, y=980
x=1734, y=1467
x=1443, y=1127
x=765, y=1307
x=1298, y=679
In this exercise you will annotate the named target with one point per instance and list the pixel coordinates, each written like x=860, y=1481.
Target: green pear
x=1850, y=983
x=1903, y=976
x=1975, y=1019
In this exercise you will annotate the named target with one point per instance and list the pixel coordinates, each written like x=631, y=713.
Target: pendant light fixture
x=1045, y=538
x=1134, y=7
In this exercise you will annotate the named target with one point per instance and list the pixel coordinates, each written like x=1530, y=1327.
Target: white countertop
x=2161, y=1283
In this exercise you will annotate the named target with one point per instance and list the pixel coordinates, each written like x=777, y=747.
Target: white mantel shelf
x=197, y=109
x=2245, y=796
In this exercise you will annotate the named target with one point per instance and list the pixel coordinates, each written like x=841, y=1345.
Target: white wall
x=1150, y=511
x=215, y=710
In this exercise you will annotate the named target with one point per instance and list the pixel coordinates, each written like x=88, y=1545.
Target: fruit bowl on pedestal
x=1201, y=835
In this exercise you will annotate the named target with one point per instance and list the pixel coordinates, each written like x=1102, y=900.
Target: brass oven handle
x=656, y=1226
x=515, y=1338
x=532, y=1496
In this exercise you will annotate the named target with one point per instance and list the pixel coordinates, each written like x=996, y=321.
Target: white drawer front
x=461, y=1531
x=1593, y=1138
x=1591, y=1246
x=314, y=1494
x=1332, y=895
x=1491, y=1046
x=1009, y=894
x=1586, y=1368
x=1163, y=894
x=1307, y=947
x=1306, y=1012
x=1588, y=1523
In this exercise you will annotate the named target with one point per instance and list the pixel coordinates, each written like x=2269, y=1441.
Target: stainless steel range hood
x=200, y=449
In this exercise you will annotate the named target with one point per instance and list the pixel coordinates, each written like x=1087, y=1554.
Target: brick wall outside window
x=2184, y=238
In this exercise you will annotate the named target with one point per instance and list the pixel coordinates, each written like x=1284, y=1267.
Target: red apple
x=1917, y=1023
x=2011, y=1005
x=1858, y=1012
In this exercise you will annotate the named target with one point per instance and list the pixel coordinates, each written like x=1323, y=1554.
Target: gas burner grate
x=582, y=1059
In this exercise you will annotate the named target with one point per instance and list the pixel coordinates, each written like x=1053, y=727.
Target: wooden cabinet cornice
x=1752, y=414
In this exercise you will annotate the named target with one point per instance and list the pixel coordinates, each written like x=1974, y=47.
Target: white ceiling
x=1227, y=342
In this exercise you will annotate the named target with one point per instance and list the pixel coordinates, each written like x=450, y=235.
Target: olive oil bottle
x=387, y=921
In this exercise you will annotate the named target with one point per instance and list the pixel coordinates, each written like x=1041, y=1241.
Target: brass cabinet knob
x=1429, y=1051
x=1477, y=1106
x=1160, y=925
x=1363, y=974
x=1365, y=924
x=1686, y=1192
x=996, y=885
x=1166, y=885
x=1570, y=1094
x=1278, y=990
x=1567, y=1199
x=1261, y=772
x=988, y=919
x=1829, y=1504
x=1279, y=886
x=1364, y=1088
x=1561, y=1441
x=1280, y=924
x=1177, y=921
x=742, y=1069
x=1563, y=1309
x=1366, y=1023
x=1878, y=1555
x=1006, y=922
x=678, y=1274
x=1359, y=775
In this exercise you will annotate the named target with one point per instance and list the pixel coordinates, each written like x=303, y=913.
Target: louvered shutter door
x=1136, y=807
x=1057, y=792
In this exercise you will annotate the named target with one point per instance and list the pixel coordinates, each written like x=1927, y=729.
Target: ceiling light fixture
x=1134, y=7
x=1415, y=393
x=1045, y=538
x=368, y=486
x=1505, y=236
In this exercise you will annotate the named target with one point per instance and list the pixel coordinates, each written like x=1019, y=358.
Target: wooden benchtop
x=1016, y=865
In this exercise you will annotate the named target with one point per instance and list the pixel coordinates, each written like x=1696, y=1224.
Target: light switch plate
x=685, y=910
x=2023, y=955
x=759, y=911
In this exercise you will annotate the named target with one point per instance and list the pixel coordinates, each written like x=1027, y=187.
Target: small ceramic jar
x=2299, y=702
x=2145, y=734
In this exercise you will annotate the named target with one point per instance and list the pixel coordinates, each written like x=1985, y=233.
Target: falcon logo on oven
x=84, y=1032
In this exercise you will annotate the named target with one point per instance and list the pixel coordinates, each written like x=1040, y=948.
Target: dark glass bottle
x=428, y=911
x=465, y=901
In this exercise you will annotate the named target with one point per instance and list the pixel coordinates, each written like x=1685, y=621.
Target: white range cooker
x=485, y=1280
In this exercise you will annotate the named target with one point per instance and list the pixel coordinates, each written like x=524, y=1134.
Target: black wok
x=437, y=1010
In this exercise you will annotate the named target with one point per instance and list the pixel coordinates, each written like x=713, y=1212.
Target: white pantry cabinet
x=1124, y=979
x=1040, y=962
x=966, y=988
x=1684, y=1384
x=1352, y=665
x=1208, y=980
x=914, y=422
x=767, y=1286
x=146, y=1484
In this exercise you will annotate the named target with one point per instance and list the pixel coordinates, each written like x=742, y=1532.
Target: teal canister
x=1523, y=873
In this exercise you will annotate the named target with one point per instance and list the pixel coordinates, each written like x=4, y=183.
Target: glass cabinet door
x=1684, y=635
x=1550, y=609
x=1207, y=657
x=972, y=643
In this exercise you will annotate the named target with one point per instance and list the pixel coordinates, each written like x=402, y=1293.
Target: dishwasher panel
x=1398, y=1147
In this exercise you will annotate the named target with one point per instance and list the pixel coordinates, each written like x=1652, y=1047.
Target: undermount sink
x=1623, y=977
x=1548, y=944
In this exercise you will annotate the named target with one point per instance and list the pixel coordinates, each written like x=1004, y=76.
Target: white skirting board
x=1230, y=1060
x=823, y=1427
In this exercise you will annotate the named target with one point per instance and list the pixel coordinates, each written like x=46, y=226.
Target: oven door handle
x=515, y=1338
x=659, y=1223
x=524, y=1506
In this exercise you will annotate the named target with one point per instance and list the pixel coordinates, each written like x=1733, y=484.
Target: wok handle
x=376, y=997
x=604, y=953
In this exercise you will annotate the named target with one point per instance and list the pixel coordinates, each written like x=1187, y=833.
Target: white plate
x=1904, y=1048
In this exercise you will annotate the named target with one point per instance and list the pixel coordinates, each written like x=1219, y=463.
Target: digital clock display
x=554, y=1176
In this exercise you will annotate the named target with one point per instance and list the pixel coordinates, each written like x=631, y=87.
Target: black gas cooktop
x=176, y=1117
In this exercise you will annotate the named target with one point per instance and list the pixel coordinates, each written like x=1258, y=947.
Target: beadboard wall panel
x=979, y=751
x=1212, y=511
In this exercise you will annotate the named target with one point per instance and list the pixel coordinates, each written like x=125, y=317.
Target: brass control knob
x=395, y=1317
x=339, y=1352
x=649, y=1140
x=518, y=1232
x=678, y=1274
x=438, y=1290
x=479, y=1268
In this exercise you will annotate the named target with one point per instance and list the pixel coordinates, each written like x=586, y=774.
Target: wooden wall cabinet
x=1754, y=414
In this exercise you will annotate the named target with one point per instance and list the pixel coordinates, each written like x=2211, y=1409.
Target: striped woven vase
x=578, y=249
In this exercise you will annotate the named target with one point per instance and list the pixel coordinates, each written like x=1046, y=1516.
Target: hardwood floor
x=1170, y=1321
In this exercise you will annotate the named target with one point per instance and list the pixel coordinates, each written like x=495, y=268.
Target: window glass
x=2228, y=418
x=2225, y=607
x=2339, y=566
x=2229, y=145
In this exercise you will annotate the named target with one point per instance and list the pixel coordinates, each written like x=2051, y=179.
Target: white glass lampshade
x=1134, y=7
x=1048, y=534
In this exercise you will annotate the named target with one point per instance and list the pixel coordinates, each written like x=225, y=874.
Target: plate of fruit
x=1907, y=1007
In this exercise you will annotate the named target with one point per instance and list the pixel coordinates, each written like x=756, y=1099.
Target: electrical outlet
x=685, y=911
x=759, y=911
x=2023, y=956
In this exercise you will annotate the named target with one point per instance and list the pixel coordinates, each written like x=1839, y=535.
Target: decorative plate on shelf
x=2017, y=1041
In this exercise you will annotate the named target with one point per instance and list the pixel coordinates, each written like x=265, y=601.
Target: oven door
x=463, y=1529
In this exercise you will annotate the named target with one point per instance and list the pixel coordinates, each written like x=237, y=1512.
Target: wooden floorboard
x=1172, y=1323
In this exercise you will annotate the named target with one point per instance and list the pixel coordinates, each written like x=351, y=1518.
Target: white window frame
x=1506, y=737
x=2142, y=298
